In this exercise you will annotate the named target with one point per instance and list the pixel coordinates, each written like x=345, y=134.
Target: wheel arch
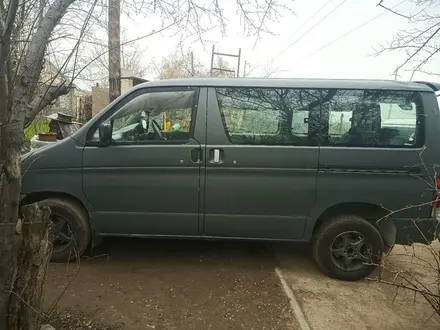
x=368, y=211
x=40, y=195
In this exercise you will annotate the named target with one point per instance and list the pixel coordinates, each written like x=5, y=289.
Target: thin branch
x=124, y=43
x=427, y=72
x=412, y=287
x=10, y=78
x=423, y=62
x=419, y=49
x=380, y=4
x=9, y=23
x=2, y=27
x=27, y=304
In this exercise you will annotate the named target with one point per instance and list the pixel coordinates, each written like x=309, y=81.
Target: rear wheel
x=71, y=226
x=347, y=247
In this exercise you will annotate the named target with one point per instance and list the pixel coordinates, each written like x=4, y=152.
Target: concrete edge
x=294, y=305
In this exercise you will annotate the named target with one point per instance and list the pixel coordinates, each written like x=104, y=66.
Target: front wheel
x=71, y=228
x=347, y=247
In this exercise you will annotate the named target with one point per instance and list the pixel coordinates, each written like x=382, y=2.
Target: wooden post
x=193, y=71
x=239, y=59
x=114, y=49
x=212, y=60
x=26, y=298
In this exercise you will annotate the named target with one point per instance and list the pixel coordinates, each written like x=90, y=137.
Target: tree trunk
x=10, y=180
x=33, y=259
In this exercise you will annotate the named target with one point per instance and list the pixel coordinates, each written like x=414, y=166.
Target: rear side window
x=270, y=116
x=369, y=118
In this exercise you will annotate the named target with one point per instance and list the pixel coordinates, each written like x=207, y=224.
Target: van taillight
x=436, y=202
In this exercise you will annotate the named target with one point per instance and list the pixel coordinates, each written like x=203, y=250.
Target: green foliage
x=39, y=125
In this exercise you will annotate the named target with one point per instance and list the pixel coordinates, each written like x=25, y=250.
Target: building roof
x=292, y=83
x=136, y=80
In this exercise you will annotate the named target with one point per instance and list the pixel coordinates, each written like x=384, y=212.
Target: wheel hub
x=350, y=251
x=63, y=235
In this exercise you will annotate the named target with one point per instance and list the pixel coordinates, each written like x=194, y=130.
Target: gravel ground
x=362, y=305
x=171, y=284
x=68, y=319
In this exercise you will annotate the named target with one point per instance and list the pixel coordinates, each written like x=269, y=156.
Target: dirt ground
x=334, y=305
x=179, y=284
x=171, y=284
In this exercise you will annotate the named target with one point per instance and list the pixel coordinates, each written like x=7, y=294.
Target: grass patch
x=40, y=125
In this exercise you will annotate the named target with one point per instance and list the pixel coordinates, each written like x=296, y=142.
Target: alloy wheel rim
x=63, y=234
x=350, y=251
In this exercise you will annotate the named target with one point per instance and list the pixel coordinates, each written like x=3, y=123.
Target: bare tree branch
x=33, y=60
x=99, y=56
x=421, y=42
x=423, y=62
x=5, y=47
x=419, y=49
x=45, y=99
x=380, y=4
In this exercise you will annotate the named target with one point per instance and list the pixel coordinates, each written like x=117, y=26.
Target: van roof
x=292, y=83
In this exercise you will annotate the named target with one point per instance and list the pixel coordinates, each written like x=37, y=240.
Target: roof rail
x=435, y=86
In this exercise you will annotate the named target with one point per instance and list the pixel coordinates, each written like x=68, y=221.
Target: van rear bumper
x=410, y=231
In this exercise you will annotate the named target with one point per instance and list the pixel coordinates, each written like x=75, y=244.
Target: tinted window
x=268, y=116
x=373, y=118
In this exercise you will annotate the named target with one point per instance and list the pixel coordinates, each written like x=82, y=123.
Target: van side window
x=164, y=115
x=373, y=118
x=269, y=116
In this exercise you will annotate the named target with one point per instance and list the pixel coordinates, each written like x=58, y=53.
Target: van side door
x=146, y=181
x=261, y=161
x=373, y=155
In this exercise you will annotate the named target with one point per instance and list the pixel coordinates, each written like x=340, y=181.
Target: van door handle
x=196, y=155
x=216, y=156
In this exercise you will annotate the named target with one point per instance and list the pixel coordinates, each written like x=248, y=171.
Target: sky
x=296, y=48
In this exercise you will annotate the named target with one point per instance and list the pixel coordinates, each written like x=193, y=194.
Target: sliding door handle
x=216, y=156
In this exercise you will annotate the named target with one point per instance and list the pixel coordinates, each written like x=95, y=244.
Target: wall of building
x=100, y=99
x=69, y=103
x=126, y=80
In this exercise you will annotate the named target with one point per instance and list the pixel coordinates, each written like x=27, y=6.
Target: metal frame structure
x=238, y=56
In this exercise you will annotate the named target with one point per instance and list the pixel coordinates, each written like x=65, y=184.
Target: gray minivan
x=322, y=161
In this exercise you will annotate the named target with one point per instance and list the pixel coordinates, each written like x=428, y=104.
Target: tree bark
x=10, y=180
x=43, y=100
x=33, y=259
x=19, y=105
x=32, y=63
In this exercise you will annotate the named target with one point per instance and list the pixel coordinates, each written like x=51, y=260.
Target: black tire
x=77, y=226
x=338, y=228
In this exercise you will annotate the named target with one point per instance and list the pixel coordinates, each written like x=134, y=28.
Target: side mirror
x=105, y=132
